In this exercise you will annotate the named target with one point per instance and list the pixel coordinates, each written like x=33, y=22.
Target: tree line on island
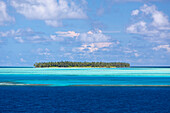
x=82, y=64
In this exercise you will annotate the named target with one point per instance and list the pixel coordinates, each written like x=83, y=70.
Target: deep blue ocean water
x=84, y=99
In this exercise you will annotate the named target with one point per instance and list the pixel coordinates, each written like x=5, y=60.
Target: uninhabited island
x=82, y=64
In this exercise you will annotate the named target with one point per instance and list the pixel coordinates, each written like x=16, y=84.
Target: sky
x=133, y=31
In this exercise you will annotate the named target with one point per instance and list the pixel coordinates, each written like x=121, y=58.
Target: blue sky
x=134, y=31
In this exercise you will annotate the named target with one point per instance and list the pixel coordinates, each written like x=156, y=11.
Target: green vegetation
x=82, y=64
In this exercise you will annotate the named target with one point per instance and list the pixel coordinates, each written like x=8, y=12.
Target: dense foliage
x=81, y=64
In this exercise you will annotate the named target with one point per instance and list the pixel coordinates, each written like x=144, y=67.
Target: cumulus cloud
x=139, y=28
x=52, y=12
x=93, y=36
x=94, y=40
x=166, y=47
x=89, y=41
x=155, y=25
x=25, y=35
x=135, y=12
x=159, y=18
x=4, y=17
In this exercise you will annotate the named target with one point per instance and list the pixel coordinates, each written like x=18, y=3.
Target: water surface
x=14, y=99
x=85, y=76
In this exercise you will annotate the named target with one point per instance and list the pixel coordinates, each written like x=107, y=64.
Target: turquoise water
x=85, y=76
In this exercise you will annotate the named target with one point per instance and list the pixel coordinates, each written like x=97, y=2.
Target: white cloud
x=136, y=54
x=90, y=32
x=54, y=23
x=71, y=34
x=4, y=17
x=50, y=11
x=28, y=35
x=135, y=12
x=60, y=35
x=166, y=47
x=102, y=44
x=93, y=37
x=93, y=47
x=128, y=50
x=45, y=51
x=85, y=42
x=86, y=48
x=15, y=33
x=159, y=18
x=139, y=27
x=19, y=39
x=25, y=35
x=153, y=24
x=94, y=40
x=131, y=51
x=56, y=38
x=90, y=41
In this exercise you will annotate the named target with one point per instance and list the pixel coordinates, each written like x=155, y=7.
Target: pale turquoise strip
x=123, y=72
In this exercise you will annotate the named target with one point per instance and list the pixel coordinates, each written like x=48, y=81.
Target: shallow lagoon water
x=86, y=76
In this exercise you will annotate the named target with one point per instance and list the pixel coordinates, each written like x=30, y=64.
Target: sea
x=85, y=90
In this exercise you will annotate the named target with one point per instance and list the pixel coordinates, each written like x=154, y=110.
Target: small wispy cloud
x=166, y=47
x=45, y=51
x=71, y=34
x=25, y=35
x=22, y=60
x=19, y=39
x=89, y=48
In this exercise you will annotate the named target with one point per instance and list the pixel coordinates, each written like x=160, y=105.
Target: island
x=81, y=64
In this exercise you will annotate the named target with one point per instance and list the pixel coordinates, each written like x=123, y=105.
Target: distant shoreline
x=78, y=67
x=70, y=64
x=85, y=67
